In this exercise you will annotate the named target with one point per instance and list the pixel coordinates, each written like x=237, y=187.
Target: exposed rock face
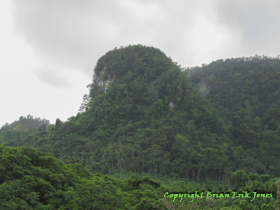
x=171, y=105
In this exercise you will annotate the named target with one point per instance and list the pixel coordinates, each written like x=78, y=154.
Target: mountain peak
x=132, y=61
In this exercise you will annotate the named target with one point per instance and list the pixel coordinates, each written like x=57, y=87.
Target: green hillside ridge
x=246, y=91
x=22, y=126
x=28, y=122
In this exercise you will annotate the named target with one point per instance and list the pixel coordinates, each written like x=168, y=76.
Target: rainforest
x=147, y=128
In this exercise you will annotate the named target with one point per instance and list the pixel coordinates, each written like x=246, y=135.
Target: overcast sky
x=49, y=48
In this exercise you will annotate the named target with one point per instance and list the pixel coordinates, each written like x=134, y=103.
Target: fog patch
x=203, y=88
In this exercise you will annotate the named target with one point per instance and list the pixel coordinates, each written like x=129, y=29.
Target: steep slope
x=143, y=116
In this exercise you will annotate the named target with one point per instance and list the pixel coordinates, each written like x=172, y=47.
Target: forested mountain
x=143, y=116
x=246, y=91
x=146, y=114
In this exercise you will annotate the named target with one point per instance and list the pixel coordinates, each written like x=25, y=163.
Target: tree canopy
x=146, y=114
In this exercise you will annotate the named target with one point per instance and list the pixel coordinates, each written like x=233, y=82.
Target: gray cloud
x=255, y=23
x=52, y=78
x=74, y=34
x=77, y=33
x=67, y=32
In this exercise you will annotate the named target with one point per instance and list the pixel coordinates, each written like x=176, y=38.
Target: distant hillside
x=22, y=127
x=28, y=121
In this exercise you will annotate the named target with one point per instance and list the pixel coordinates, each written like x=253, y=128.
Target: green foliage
x=28, y=121
x=240, y=178
x=143, y=115
x=245, y=91
x=34, y=180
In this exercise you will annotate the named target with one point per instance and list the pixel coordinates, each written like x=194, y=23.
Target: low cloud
x=52, y=78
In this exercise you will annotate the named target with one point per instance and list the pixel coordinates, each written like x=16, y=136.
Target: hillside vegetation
x=30, y=179
x=144, y=114
x=246, y=91
x=149, y=119
x=34, y=180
